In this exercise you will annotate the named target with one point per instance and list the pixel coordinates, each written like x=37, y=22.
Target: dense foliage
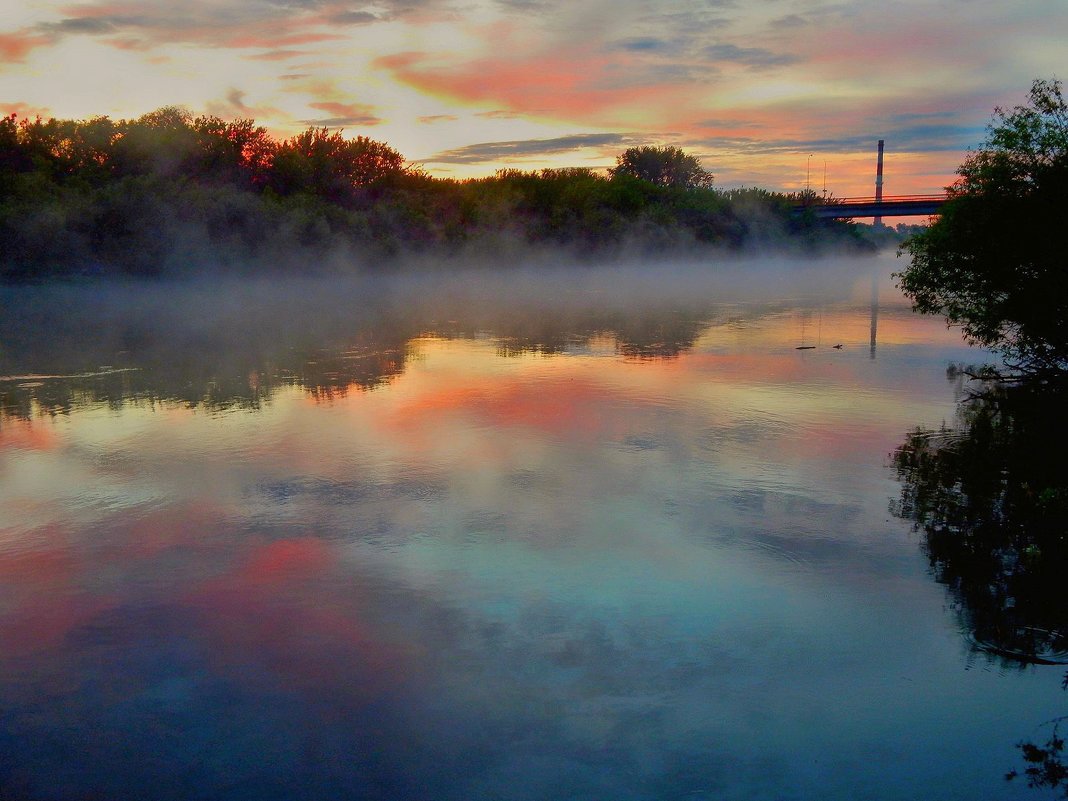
x=170, y=192
x=663, y=166
x=994, y=263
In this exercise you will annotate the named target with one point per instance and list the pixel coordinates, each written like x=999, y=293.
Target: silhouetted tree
x=161, y=142
x=663, y=166
x=994, y=261
x=238, y=152
x=329, y=165
x=12, y=158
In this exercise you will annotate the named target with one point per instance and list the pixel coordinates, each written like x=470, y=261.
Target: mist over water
x=97, y=323
x=557, y=533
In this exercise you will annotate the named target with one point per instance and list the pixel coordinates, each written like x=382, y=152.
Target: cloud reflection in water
x=590, y=548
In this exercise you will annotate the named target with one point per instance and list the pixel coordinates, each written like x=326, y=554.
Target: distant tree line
x=169, y=191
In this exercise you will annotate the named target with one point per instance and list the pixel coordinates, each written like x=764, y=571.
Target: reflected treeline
x=324, y=375
x=656, y=334
x=990, y=495
x=65, y=347
x=71, y=346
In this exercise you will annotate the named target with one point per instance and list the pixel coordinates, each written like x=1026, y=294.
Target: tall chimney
x=879, y=185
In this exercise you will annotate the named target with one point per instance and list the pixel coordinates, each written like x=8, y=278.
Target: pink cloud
x=564, y=84
x=14, y=47
x=276, y=55
x=343, y=109
x=274, y=36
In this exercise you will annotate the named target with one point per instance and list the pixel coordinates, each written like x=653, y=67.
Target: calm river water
x=593, y=534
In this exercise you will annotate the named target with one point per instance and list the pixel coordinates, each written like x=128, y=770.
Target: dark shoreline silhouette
x=169, y=194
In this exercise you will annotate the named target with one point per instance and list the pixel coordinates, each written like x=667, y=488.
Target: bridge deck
x=892, y=206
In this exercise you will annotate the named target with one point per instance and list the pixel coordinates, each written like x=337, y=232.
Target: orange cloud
x=130, y=43
x=355, y=112
x=273, y=37
x=563, y=84
x=276, y=55
x=24, y=110
x=14, y=47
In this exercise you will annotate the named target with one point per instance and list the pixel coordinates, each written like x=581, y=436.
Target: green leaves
x=663, y=166
x=995, y=262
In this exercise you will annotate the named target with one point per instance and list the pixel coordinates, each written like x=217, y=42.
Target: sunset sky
x=772, y=93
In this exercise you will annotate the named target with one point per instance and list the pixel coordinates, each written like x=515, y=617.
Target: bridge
x=886, y=206
x=878, y=207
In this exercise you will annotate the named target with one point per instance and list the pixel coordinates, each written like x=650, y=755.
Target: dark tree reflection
x=990, y=496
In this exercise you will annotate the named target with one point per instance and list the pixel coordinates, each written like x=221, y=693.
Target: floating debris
x=32, y=377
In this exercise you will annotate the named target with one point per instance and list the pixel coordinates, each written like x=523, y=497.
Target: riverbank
x=168, y=194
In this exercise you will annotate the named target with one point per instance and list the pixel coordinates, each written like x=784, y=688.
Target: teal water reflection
x=566, y=535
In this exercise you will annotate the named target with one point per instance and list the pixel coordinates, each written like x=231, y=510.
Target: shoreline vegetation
x=993, y=261
x=170, y=194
